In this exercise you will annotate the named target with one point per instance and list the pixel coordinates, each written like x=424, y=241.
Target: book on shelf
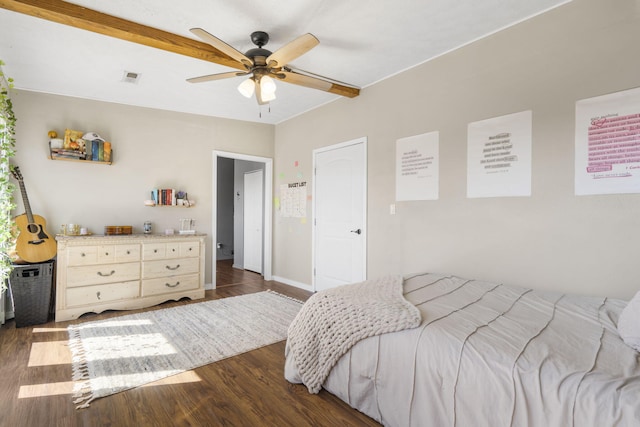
x=95, y=150
x=100, y=151
x=106, y=151
x=164, y=196
x=67, y=154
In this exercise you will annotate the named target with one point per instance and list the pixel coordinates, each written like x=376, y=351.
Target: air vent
x=130, y=77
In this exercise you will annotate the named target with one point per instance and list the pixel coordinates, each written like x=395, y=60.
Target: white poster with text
x=417, y=167
x=499, y=156
x=293, y=200
x=608, y=144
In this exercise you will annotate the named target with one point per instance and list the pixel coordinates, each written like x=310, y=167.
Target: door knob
x=358, y=231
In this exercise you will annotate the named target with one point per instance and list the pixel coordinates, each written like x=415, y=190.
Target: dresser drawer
x=170, y=267
x=91, y=295
x=83, y=255
x=164, y=285
x=104, y=254
x=190, y=249
x=169, y=250
x=127, y=253
x=98, y=274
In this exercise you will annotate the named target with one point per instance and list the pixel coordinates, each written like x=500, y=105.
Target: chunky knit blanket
x=332, y=321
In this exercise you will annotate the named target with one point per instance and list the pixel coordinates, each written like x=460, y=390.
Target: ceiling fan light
x=247, y=87
x=268, y=86
x=268, y=96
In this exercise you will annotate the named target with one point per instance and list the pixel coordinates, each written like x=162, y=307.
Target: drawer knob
x=173, y=250
x=106, y=253
x=155, y=251
x=98, y=294
x=171, y=286
x=82, y=254
x=100, y=273
x=172, y=268
x=128, y=252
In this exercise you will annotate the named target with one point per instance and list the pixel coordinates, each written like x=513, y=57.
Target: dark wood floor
x=245, y=390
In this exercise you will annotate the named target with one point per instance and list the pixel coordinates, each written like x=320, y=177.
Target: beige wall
x=551, y=240
x=152, y=149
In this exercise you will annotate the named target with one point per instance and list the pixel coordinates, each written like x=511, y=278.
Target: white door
x=253, y=221
x=340, y=202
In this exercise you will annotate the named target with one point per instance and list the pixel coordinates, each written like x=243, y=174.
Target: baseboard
x=208, y=287
x=292, y=283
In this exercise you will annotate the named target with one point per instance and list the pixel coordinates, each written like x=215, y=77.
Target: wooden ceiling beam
x=108, y=25
x=349, y=92
x=76, y=16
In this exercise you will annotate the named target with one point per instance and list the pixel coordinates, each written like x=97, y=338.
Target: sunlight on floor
x=49, y=353
x=114, y=323
x=113, y=347
x=53, y=389
x=41, y=330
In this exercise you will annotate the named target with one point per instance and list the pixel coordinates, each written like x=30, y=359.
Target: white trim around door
x=268, y=207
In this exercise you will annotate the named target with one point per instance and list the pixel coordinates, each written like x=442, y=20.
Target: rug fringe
x=82, y=393
x=85, y=399
x=271, y=291
x=79, y=370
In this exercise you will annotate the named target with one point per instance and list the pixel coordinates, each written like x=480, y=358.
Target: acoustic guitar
x=33, y=244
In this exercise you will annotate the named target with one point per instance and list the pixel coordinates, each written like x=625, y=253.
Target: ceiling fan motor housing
x=259, y=38
x=259, y=55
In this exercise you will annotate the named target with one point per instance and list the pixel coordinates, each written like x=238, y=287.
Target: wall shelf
x=168, y=206
x=97, y=162
x=168, y=197
x=53, y=156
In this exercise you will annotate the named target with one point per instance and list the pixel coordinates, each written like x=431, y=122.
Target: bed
x=480, y=354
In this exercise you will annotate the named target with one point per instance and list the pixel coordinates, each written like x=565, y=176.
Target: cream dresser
x=98, y=273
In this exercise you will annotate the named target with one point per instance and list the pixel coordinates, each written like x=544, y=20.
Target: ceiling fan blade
x=222, y=46
x=307, y=81
x=292, y=50
x=218, y=76
x=290, y=76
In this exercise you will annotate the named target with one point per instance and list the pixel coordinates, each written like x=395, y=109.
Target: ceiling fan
x=265, y=67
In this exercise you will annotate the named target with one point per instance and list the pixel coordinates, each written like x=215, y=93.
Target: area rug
x=112, y=355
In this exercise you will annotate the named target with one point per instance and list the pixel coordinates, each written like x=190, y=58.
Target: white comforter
x=492, y=355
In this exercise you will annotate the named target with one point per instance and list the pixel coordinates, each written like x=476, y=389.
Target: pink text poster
x=608, y=144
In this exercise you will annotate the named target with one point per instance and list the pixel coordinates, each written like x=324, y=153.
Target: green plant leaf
x=7, y=151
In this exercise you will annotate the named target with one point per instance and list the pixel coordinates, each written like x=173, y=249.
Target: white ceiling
x=361, y=43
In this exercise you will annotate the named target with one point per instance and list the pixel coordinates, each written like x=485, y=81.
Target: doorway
x=339, y=214
x=267, y=211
